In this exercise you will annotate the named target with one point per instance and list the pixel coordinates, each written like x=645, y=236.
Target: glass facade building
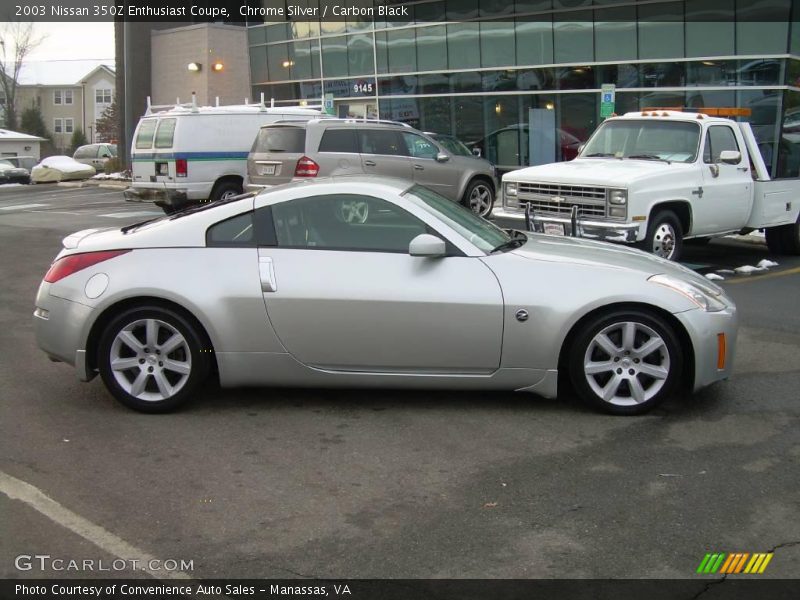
x=474, y=68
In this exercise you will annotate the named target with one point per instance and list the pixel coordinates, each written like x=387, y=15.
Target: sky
x=71, y=41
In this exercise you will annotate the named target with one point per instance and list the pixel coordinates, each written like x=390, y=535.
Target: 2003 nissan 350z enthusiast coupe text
x=360, y=281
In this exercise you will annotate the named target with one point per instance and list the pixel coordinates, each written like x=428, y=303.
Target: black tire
x=664, y=236
x=784, y=239
x=224, y=188
x=483, y=202
x=195, y=352
x=631, y=366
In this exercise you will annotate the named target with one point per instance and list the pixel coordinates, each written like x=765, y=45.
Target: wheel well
x=237, y=179
x=683, y=336
x=112, y=311
x=681, y=210
x=483, y=178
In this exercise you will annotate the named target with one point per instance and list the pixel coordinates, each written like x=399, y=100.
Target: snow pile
x=766, y=263
x=714, y=277
x=749, y=270
x=112, y=177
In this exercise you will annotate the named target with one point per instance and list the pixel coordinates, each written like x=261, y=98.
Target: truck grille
x=558, y=199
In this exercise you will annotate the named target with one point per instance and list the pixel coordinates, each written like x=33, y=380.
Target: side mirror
x=427, y=245
x=730, y=157
x=442, y=157
x=476, y=152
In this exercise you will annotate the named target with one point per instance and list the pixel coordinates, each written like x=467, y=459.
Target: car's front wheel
x=626, y=362
x=479, y=198
x=152, y=359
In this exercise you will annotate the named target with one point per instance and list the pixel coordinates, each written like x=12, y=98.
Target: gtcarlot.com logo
x=45, y=562
x=734, y=563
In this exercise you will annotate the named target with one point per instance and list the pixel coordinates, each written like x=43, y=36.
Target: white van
x=187, y=154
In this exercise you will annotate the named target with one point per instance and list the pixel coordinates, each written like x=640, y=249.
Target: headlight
x=703, y=296
x=619, y=212
x=618, y=196
x=511, y=189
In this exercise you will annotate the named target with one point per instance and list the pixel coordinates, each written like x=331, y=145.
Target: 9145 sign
x=363, y=87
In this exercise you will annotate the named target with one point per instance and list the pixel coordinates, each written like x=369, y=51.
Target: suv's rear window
x=165, y=133
x=144, y=137
x=339, y=140
x=281, y=139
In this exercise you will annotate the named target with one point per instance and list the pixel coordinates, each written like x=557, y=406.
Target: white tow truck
x=655, y=178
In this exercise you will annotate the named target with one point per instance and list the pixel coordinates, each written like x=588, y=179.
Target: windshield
x=482, y=233
x=675, y=141
x=452, y=145
x=6, y=164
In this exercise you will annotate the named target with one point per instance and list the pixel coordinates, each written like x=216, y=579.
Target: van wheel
x=664, y=236
x=225, y=190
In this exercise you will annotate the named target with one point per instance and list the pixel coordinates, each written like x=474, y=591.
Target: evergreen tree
x=78, y=140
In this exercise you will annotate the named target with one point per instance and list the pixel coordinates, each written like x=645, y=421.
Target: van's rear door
x=152, y=156
x=275, y=153
x=142, y=158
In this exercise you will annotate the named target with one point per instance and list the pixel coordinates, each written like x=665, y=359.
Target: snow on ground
x=10, y=185
x=766, y=263
x=714, y=277
x=112, y=177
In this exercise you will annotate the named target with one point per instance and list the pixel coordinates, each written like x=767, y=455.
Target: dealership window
x=710, y=29
x=258, y=64
x=304, y=60
x=573, y=40
x=615, y=34
x=463, y=48
x=762, y=27
x=534, y=41
x=432, y=48
x=661, y=30
x=789, y=144
x=278, y=62
x=401, y=52
x=102, y=96
x=497, y=43
x=360, y=57
x=334, y=57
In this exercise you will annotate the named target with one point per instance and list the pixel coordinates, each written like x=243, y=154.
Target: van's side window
x=165, y=133
x=144, y=138
x=339, y=140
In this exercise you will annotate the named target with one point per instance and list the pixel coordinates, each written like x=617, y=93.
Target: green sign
x=607, y=94
x=328, y=105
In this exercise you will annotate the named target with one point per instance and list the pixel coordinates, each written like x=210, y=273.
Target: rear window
x=144, y=137
x=165, y=133
x=86, y=152
x=280, y=139
x=339, y=140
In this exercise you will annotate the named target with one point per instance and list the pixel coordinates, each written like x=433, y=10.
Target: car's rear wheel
x=626, y=362
x=479, y=198
x=152, y=358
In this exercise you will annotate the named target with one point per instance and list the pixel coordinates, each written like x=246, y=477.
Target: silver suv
x=286, y=151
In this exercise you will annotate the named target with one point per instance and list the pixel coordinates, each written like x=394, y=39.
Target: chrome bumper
x=607, y=231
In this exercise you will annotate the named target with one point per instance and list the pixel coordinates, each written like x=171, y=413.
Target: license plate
x=266, y=169
x=554, y=228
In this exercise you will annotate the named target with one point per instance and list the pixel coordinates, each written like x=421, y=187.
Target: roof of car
x=394, y=184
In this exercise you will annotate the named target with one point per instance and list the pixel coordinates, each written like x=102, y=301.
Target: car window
x=86, y=152
x=381, y=141
x=419, y=147
x=453, y=145
x=718, y=139
x=6, y=164
x=280, y=139
x=339, y=140
x=165, y=133
x=345, y=222
x=236, y=231
x=144, y=137
x=112, y=148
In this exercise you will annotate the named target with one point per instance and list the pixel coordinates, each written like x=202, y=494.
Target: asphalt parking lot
x=280, y=483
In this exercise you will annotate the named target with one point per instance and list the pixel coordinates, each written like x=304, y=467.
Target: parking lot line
x=16, y=489
x=19, y=206
x=794, y=271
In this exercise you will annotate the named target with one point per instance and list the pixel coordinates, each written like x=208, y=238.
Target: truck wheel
x=784, y=239
x=224, y=190
x=664, y=236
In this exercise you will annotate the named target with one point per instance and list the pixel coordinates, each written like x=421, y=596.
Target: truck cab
x=655, y=178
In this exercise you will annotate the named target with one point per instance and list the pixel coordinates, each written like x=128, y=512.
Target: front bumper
x=60, y=327
x=607, y=231
x=704, y=329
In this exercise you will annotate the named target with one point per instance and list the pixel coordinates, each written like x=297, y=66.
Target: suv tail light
x=73, y=263
x=181, y=167
x=306, y=168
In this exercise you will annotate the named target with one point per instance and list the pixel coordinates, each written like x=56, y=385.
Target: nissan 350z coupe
x=358, y=281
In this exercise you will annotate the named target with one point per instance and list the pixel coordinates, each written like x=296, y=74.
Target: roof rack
x=193, y=107
x=364, y=120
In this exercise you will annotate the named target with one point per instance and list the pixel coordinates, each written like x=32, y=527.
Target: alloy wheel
x=354, y=211
x=480, y=200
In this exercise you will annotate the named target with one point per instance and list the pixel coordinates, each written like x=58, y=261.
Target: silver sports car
x=288, y=288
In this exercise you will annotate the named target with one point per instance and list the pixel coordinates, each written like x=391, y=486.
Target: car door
x=442, y=177
x=727, y=189
x=383, y=153
x=346, y=295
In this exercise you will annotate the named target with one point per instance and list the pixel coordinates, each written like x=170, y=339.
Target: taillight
x=73, y=263
x=306, y=168
x=181, y=167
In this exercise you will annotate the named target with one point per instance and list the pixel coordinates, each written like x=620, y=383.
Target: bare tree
x=17, y=41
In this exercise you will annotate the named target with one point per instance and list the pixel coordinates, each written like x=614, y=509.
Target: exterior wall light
x=288, y=63
x=217, y=66
x=193, y=66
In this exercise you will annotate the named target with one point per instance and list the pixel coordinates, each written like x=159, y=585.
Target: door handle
x=698, y=192
x=369, y=163
x=745, y=169
x=266, y=271
x=419, y=168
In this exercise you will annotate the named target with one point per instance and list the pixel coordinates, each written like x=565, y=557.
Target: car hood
x=605, y=255
x=611, y=172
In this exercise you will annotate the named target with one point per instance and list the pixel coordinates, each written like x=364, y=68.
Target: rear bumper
x=595, y=230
